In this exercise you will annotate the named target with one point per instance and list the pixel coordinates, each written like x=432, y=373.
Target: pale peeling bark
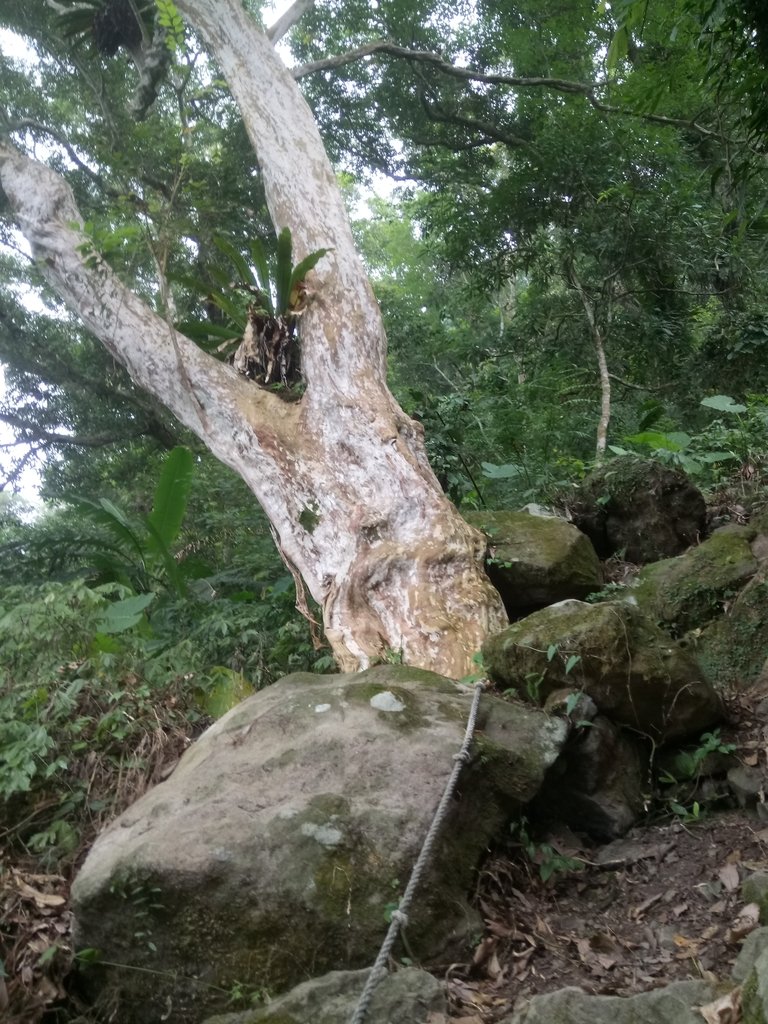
x=342, y=474
x=598, y=339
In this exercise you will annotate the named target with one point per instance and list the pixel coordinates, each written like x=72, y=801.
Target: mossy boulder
x=408, y=996
x=690, y=590
x=639, y=508
x=632, y=670
x=677, y=1003
x=290, y=827
x=536, y=560
x=732, y=650
x=754, y=993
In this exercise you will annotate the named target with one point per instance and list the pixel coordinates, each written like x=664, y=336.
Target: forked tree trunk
x=342, y=473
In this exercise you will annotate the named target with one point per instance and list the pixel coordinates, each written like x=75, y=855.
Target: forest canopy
x=566, y=240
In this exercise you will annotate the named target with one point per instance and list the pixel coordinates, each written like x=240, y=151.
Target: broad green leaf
x=716, y=456
x=617, y=49
x=652, y=439
x=507, y=472
x=123, y=615
x=679, y=438
x=227, y=305
x=170, y=502
x=723, y=403
x=572, y=662
x=160, y=549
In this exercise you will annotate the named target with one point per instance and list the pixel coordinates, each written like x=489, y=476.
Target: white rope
x=400, y=916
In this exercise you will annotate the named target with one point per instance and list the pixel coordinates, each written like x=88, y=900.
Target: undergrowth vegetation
x=129, y=634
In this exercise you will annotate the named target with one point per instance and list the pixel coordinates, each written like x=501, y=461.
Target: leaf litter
x=662, y=904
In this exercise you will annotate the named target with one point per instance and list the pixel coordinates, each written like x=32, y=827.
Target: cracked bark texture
x=342, y=474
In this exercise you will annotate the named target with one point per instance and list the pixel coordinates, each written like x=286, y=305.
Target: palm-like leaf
x=283, y=271
x=171, y=493
x=301, y=270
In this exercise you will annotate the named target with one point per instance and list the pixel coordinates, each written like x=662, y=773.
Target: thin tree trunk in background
x=598, y=339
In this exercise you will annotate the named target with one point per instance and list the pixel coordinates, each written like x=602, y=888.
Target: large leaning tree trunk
x=342, y=473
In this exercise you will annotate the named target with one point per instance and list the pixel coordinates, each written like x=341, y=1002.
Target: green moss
x=309, y=519
x=622, y=480
x=537, y=560
x=690, y=590
x=387, y=676
x=270, y=1018
x=754, y=889
x=751, y=1009
x=406, y=720
x=732, y=650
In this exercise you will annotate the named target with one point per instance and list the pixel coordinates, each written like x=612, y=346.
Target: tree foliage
x=563, y=180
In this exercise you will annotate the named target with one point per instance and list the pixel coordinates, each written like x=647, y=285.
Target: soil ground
x=662, y=904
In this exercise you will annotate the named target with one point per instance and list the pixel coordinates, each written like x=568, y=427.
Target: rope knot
x=463, y=755
x=400, y=917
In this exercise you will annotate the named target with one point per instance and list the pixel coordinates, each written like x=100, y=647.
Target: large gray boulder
x=692, y=589
x=755, y=992
x=535, y=560
x=732, y=649
x=598, y=783
x=638, y=509
x=674, y=1004
x=636, y=675
x=408, y=996
x=287, y=831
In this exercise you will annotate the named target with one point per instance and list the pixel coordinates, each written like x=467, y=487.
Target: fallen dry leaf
x=729, y=876
x=493, y=968
x=584, y=951
x=41, y=899
x=745, y=923
x=606, y=961
x=640, y=909
x=484, y=951
x=725, y=1010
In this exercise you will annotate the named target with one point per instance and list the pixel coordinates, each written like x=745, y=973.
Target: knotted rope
x=400, y=916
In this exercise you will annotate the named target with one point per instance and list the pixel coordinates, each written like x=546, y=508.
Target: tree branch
x=131, y=331
x=671, y=122
x=563, y=85
x=428, y=57
x=38, y=433
x=28, y=124
x=492, y=134
x=286, y=21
